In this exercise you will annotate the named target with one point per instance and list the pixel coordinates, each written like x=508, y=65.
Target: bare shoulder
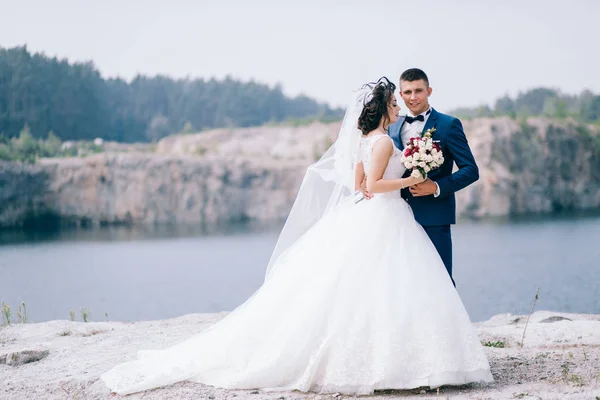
x=383, y=145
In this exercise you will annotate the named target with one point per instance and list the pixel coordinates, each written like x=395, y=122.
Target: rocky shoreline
x=560, y=359
x=252, y=174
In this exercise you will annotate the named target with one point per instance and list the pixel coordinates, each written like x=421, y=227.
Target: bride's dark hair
x=377, y=106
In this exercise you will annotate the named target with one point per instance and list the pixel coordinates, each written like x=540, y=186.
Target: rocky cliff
x=538, y=165
x=534, y=166
x=22, y=192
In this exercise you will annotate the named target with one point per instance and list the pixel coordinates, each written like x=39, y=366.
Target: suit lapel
x=431, y=121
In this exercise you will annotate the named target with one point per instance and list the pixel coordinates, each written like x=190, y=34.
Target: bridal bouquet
x=422, y=154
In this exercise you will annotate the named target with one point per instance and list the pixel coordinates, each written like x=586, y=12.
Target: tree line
x=75, y=102
x=584, y=107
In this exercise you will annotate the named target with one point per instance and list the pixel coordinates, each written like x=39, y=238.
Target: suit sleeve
x=468, y=172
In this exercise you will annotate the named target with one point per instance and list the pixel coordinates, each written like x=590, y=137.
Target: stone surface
x=554, y=318
x=231, y=175
x=560, y=360
x=22, y=357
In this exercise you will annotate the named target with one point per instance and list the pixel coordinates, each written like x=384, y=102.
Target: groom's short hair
x=414, y=74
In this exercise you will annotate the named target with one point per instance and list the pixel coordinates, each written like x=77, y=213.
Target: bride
x=356, y=297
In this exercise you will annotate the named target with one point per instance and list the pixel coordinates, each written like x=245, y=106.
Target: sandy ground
x=560, y=359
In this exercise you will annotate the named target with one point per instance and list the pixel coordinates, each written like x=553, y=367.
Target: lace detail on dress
x=394, y=170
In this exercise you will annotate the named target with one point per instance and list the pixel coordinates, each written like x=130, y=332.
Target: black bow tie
x=419, y=117
x=410, y=119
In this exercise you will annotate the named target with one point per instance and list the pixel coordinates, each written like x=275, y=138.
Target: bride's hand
x=419, y=179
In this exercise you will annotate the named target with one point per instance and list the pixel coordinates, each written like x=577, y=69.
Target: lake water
x=154, y=273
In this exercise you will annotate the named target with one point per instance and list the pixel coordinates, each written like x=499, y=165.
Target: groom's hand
x=426, y=188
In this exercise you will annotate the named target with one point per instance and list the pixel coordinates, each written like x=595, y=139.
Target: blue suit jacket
x=441, y=210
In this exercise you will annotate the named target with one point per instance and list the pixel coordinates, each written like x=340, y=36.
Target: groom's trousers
x=441, y=237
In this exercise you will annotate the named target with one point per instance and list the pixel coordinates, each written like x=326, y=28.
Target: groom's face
x=415, y=95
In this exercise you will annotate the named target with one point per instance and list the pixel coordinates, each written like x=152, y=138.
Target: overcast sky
x=473, y=51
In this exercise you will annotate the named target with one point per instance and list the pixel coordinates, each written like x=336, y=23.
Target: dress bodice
x=394, y=170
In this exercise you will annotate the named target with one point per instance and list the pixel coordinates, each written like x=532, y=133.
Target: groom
x=432, y=201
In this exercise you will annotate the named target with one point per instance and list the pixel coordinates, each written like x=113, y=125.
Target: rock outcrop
x=22, y=357
x=227, y=175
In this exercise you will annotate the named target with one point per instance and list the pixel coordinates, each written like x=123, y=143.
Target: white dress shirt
x=415, y=130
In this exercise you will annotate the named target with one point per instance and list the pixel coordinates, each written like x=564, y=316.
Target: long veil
x=327, y=182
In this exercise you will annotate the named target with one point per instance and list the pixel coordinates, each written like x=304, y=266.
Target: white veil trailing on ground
x=327, y=182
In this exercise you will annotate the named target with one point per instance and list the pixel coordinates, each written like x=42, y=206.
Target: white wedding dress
x=360, y=302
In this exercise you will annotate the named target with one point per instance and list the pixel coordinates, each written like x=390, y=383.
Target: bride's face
x=393, y=110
